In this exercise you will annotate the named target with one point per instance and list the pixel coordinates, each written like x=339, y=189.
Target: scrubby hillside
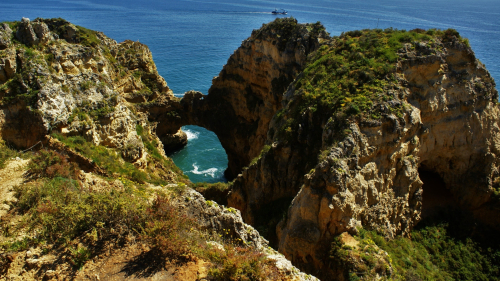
x=87, y=190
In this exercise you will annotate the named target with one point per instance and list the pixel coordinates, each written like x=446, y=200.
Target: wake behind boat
x=279, y=12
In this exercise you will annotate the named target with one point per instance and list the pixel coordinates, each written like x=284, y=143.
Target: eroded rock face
x=76, y=82
x=25, y=33
x=5, y=34
x=370, y=177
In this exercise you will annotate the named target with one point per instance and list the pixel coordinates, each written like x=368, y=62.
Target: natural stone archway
x=247, y=92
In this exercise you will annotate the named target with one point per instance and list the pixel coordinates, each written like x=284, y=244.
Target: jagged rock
x=220, y=219
x=42, y=32
x=173, y=142
x=5, y=34
x=79, y=91
x=8, y=65
x=25, y=33
x=70, y=33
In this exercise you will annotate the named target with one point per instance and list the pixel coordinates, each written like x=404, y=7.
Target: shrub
x=240, y=263
x=433, y=254
x=51, y=164
x=167, y=229
x=59, y=208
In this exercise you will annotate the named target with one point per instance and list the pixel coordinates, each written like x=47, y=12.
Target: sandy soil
x=10, y=176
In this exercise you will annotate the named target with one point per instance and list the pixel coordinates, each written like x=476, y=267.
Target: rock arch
x=246, y=94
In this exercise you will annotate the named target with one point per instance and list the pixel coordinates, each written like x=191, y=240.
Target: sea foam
x=210, y=171
x=191, y=135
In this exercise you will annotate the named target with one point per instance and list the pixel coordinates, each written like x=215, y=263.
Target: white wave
x=211, y=172
x=191, y=135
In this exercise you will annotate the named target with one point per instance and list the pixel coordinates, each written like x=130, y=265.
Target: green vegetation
x=25, y=85
x=96, y=110
x=7, y=153
x=78, y=113
x=214, y=191
x=496, y=189
x=59, y=210
x=354, y=72
x=87, y=37
x=106, y=158
x=51, y=164
x=437, y=250
x=58, y=213
x=263, y=152
x=349, y=77
x=162, y=163
x=240, y=263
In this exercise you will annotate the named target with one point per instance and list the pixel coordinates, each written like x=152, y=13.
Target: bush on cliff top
x=353, y=74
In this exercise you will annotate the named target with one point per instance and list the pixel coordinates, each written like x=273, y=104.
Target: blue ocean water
x=192, y=39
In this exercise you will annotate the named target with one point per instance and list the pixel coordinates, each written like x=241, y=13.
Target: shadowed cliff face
x=247, y=92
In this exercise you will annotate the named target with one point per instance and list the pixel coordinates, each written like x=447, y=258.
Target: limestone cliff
x=350, y=144
x=339, y=135
x=57, y=77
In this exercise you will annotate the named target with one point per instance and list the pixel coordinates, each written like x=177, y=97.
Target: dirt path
x=10, y=176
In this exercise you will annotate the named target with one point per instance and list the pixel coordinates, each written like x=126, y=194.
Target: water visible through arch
x=203, y=159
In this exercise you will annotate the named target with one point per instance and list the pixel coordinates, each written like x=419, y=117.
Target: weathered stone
x=42, y=32
x=220, y=219
x=173, y=142
x=25, y=33
x=371, y=177
x=5, y=35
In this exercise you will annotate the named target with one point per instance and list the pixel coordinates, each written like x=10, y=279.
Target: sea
x=191, y=40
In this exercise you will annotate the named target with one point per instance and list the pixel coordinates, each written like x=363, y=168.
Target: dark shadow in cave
x=436, y=197
x=268, y=217
x=440, y=208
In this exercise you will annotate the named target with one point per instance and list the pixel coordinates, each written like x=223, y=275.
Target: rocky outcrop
x=220, y=219
x=247, y=92
x=340, y=140
x=5, y=34
x=344, y=173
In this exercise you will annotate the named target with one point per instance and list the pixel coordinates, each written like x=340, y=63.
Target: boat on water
x=279, y=12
